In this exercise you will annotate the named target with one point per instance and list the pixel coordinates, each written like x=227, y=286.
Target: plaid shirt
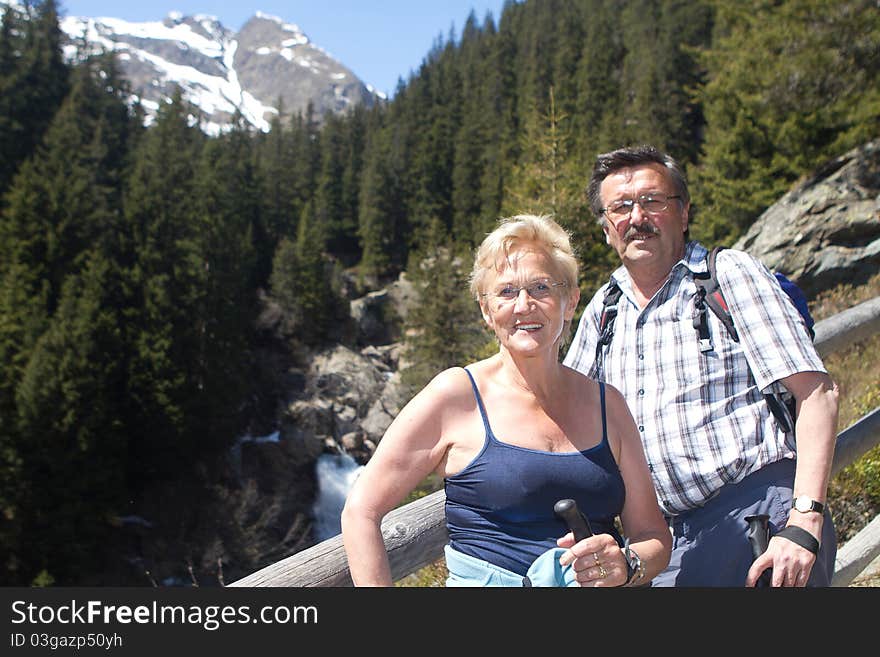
x=702, y=417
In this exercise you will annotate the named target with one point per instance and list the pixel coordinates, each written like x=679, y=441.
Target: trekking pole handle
x=759, y=538
x=577, y=522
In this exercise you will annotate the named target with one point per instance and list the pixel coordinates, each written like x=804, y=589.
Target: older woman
x=512, y=435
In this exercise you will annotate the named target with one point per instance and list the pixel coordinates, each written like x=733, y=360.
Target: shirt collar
x=694, y=260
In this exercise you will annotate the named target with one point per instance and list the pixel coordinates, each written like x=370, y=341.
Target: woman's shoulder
x=585, y=384
x=578, y=380
x=449, y=385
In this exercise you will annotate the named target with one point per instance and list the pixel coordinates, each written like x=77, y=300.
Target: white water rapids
x=336, y=473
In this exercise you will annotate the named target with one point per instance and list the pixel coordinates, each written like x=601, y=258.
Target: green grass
x=854, y=494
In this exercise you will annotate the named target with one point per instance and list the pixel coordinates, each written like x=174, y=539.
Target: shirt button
x=641, y=428
x=651, y=467
x=641, y=356
x=641, y=391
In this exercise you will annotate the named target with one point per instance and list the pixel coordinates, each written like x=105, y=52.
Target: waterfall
x=335, y=473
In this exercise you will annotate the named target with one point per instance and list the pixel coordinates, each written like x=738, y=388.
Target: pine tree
x=444, y=327
x=67, y=196
x=235, y=251
x=329, y=210
x=12, y=148
x=427, y=127
x=541, y=183
x=64, y=203
x=598, y=80
x=282, y=192
x=548, y=180
x=471, y=141
x=303, y=286
x=73, y=441
x=382, y=226
x=21, y=323
x=307, y=161
x=33, y=82
x=536, y=47
x=319, y=302
x=59, y=306
x=685, y=28
x=168, y=284
x=499, y=112
x=346, y=247
x=789, y=84
x=283, y=283
x=570, y=31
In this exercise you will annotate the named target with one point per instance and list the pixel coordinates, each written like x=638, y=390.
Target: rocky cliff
x=826, y=229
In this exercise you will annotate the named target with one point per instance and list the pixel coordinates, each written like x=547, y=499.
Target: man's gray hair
x=632, y=156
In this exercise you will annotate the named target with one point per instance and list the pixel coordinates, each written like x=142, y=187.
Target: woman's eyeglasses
x=537, y=290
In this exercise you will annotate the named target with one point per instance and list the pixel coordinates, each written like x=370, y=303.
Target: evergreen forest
x=134, y=259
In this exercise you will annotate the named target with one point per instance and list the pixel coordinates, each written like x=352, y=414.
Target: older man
x=717, y=453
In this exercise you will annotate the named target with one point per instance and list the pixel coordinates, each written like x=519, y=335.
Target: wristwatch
x=806, y=504
x=635, y=569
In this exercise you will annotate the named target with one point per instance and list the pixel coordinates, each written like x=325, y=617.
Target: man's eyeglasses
x=651, y=203
x=539, y=289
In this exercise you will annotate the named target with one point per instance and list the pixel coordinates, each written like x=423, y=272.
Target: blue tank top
x=500, y=507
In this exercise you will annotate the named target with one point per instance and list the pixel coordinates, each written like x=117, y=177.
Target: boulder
x=383, y=410
x=379, y=315
x=825, y=230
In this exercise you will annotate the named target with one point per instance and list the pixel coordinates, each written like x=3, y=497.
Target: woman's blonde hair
x=512, y=233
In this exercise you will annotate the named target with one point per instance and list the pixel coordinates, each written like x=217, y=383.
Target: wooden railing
x=416, y=532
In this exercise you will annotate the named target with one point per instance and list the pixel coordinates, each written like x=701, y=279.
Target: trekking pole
x=577, y=522
x=759, y=538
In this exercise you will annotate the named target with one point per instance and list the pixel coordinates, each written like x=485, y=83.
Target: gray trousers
x=710, y=545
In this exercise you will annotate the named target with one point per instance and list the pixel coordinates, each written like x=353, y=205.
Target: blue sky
x=379, y=40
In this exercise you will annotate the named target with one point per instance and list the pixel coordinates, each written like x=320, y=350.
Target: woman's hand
x=597, y=560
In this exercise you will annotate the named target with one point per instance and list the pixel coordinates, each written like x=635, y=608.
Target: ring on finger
x=602, y=572
x=596, y=557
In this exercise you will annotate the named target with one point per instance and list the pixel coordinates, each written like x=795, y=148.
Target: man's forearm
x=816, y=432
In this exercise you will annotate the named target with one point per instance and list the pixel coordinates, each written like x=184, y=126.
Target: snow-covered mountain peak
x=268, y=63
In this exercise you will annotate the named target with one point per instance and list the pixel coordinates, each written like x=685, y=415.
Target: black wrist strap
x=800, y=537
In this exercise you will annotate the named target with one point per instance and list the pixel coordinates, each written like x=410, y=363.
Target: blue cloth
x=545, y=571
x=710, y=544
x=499, y=508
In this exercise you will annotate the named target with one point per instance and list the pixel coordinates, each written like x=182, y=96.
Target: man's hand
x=791, y=563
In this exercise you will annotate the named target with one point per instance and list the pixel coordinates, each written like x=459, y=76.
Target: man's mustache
x=640, y=230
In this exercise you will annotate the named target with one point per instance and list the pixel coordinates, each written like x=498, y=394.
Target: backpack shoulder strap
x=710, y=294
x=606, y=324
x=609, y=312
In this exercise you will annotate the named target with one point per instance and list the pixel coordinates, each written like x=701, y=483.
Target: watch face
x=804, y=504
